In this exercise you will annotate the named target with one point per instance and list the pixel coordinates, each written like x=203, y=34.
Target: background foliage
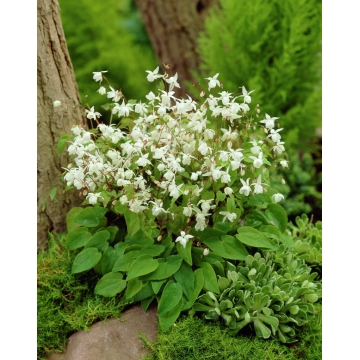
x=107, y=35
x=274, y=48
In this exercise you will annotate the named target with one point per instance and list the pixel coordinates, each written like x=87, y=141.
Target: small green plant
x=172, y=192
x=273, y=300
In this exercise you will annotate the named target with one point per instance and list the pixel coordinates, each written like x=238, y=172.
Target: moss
x=66, y=303
x=197, y=339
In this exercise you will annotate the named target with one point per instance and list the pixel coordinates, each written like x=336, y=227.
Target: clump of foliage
x=66, y=303
x=273, y=47
x=172, y=193
x=106, y=36
x=198, y=339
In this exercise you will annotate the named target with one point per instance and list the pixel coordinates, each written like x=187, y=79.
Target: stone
x=114, y=339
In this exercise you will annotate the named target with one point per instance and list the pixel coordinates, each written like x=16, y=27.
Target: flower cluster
x=178, y=158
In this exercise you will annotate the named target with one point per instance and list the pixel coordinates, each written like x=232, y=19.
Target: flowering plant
x=174, y=184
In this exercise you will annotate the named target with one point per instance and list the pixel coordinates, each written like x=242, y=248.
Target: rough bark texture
x=173, y=27
x=55, y=81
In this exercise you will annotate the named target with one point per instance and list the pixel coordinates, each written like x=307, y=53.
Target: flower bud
x=57, y=103
x=206, y=251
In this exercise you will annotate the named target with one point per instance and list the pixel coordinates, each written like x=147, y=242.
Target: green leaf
x=98, y=238
x=165, y=268
x=170, y=297
x=110, y=285
x=208, y=233
x=199, y=258
x=87, y=217
x=222, y=226
x=132, y=222
x=185, y=253
x=119, y=207
x=142, y=265
x=70, y=217
x=228, y=247
x=153, y=250
x=271, y=320
x=146, y=302
x=185, y=277
x=198, y=285
x=85, y=260
x=276, y=214
x=139, y=238
x=156, y=285
x=63, y=141
x=106, y=262
x=261, y=329
x=133, y=287
x=167, y=319
x=77, y=238
x=113, y=230
x=253, y=237
x=53, y=193
x=144, y=293
x=210, y=281
x=287, y=239
x=99, y=211
x=270, y=231
x=123, y=263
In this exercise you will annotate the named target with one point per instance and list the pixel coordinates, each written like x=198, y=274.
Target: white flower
x=102, y=90
x=206, y=251
x=256, y=149
x=277, y=197
x=92, y=114
x=98, y=75
x=257, y=160
x=284, y=164
x=213, y=81
x=269, y=121
x=57, y=103
x=173, y=82
x=115, y=95
x=93, y=198
x=274, y=134
x=153, y=75
x=279, y=147
x=245, y=189
x=246, y=94
x=228, y=191
x=187, y=211
x=227, y=215
x=258, y=189
x=183, y=239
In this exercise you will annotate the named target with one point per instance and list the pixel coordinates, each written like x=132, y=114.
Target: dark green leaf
x=185, y=253
x=132, y=222
x=167, y=319
x=123, y=263
x=133, y=287
x=228, y=247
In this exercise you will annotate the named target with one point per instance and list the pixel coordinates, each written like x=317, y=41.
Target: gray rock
x=114, y=340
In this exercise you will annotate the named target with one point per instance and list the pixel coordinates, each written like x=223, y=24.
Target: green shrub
x=274, y=48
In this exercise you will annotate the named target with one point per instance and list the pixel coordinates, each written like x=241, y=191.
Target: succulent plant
x=273, y=297
x=308, y=241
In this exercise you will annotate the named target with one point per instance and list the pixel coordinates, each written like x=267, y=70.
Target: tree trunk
x=55, y=81
x=173, y=27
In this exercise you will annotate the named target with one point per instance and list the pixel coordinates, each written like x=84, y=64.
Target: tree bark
x=173, y=27
x=55, y=81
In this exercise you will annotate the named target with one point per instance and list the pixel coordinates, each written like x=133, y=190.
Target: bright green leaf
x=77, y=238
x=87, y=217
x=142, y=265
x=98, y=238
x=210, y=280
x=85, y=260
x=253, y=237
x=110, y=285
x=165, y=268
x=185, y=253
